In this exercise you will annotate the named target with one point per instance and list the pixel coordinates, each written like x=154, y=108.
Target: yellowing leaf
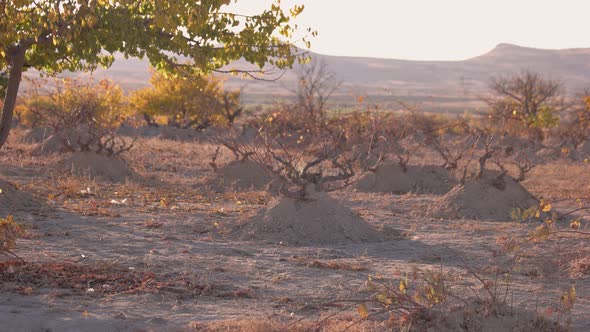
x=569, y=298
x=575, y=224
x=381, y=297
x=363, y=311
x=403, y=285
x=417, y=297
x=547, y=208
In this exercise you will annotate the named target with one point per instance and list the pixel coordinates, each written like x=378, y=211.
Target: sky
x=437, y=29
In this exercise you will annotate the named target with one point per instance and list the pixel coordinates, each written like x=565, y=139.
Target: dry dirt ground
x=155, y=253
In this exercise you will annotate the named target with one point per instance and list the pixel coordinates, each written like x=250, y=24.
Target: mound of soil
x=143, y=131
x=36, y=135
x=12, y=199
x=95, y=165
x=317, y=220
x=489, y=198
x=249, y=135
x=518, y=143
x=178, y=134
x=56, y=143
x=390, y=178
x=565, y=152
x=549, y=153
x=240, y=175
x=584, y=149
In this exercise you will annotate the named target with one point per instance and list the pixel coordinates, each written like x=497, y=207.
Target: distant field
x=451, y=105
x=436, y=86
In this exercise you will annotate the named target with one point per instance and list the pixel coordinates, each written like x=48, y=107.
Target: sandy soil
x=156, y=254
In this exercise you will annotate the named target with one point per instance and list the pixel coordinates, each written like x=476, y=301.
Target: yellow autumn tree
x=71, y=103
x=177, y=36
x=187, y=102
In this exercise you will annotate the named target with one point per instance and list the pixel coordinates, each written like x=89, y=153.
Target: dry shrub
x=527, y=99
x=287, y=123
x=84, y=139
x=426, y=300
x=325, y=165
x=96, y=166
x=420, y=132
x=304, y=213
x=13, y=200
x=70, y=103
x=10, y=231
x=307, y=114
x=484, y=193
x=83, y=116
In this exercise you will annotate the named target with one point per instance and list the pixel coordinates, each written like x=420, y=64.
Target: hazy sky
x=439, y=29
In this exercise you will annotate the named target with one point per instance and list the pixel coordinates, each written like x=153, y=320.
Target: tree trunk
x=14, y=78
